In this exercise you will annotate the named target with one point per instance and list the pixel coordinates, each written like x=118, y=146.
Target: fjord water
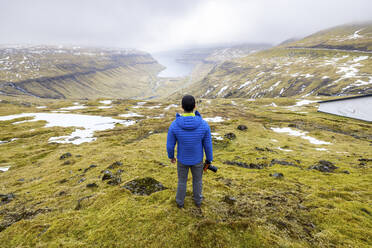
x=173, y=67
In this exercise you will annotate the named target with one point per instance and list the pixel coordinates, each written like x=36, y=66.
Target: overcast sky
x=154, y=25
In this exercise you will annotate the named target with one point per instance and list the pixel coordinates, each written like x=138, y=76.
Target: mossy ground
x=306, y=208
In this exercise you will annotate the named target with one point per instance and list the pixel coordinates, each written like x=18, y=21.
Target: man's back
x=192, y=134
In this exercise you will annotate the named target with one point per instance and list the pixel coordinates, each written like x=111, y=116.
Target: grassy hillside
x=74, y=72
x=300, y=68
x=246, y=204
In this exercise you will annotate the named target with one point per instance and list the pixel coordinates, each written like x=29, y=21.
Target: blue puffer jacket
x=192, y=134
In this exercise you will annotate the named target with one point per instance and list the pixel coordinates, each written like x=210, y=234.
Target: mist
x=160, y=25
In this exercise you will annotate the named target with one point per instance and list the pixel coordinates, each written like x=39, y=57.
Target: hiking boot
x=198, y=205
x=179, y=206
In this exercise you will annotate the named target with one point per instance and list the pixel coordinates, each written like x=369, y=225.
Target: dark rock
x=90, y=167
x=144, y=186
x=281, y=162
x=229, y=199
x=248, y=166
x=259, y=149
x=107, y=175
x=67, y=162
x=82, y=180
x=230, y=136
x=242, y=127
x=92, y=185
x=277, y=175
x=22, y=214
x=365, y=211
x=114, y=181
x=6, y=198
x=292, y=125
x=115, y=165
x=63, y=180
x=64, y=156
x=323, y=166
x=78, y=156
x=263, y=149
x=345, y=171
x=21, y=180
x=119, y=172
x=61, y=193
x=365, y=160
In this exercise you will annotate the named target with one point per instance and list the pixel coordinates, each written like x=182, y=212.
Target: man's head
x=188, y=103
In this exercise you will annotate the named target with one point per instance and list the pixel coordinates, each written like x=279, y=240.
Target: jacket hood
x=189, y=122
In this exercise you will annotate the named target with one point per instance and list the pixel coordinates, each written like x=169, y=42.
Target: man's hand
x=173, y=160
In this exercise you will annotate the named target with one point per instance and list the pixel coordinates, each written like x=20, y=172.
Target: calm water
x=174, y=68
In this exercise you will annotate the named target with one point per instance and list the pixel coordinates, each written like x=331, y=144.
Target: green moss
x=306, y=208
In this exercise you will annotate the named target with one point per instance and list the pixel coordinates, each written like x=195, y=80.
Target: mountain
x=76, y=72
x=334, y=62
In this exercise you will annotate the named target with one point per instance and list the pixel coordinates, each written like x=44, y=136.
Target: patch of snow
x=356, y=35
x=217, y=136
x=304, y=102
x=86, y=125
x=141, y=103
x=171, y=106
x=273, y=104
x=130, y=114
x=5, y=168
x=222, y=90
x=104, y=107
x=74, y=107
x=234, y=103
x=107, y=102
x=244, y=85
x=274, y=140
x=274, y=85
x=214, y=119
x=41, y=107
x=360, y=58
x=299, y=134
x=60, y=111
x=281, y=91
x=321, y=149
x=325, y=77
x=154, y=107
x=307, y=75
x=285, y=150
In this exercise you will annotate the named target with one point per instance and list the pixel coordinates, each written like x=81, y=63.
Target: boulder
x=277, y=175
x=107, y=175
x=6, y=198
x=90, y=167
x=323, y=166
x=64, y=156
x=230, y=136
x=229, y=199
x=144, y=186
x=92, y=185
x=82, y=180
x=116, y=180
x=115, y=165
x=248, y=166
x=242, y=127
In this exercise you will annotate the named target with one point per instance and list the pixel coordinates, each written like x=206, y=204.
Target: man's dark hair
x=188, y=103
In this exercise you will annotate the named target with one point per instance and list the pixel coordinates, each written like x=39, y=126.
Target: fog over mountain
x=171, y=24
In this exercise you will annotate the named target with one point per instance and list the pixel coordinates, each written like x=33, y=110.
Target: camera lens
x=213, y=168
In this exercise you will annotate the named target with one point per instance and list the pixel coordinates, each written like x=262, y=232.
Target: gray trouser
x=197, y=185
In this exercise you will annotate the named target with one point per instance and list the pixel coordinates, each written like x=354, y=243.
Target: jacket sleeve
x=207, y=144
x=171, y=142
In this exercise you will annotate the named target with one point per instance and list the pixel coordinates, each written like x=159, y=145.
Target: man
x=192, y=134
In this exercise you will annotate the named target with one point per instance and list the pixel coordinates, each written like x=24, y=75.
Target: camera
x=209, y=166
